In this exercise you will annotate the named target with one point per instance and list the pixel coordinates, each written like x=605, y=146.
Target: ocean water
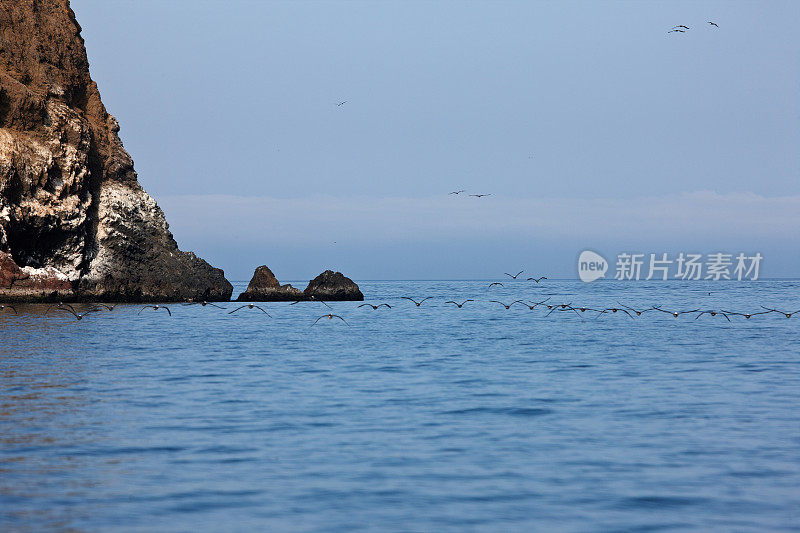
x=428, y=418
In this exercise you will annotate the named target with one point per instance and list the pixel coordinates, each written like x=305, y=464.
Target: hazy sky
x=591, y=126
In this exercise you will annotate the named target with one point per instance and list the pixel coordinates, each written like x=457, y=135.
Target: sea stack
x=264, y=287
x=74, y=221
x=332, y=286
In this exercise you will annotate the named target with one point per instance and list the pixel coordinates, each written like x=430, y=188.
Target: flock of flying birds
x=546, y=304
x=97, y=307
x=475, y=195
x=579, y=310
x=683, y=28
x=625, y=309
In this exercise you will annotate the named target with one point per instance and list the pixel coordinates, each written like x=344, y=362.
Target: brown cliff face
x=70, y=202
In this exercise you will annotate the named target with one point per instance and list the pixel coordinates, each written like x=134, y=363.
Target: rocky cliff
x=333, y=286
x=264, y=287
x=74, y=221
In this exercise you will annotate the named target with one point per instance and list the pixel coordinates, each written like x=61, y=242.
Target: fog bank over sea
x=467, y=237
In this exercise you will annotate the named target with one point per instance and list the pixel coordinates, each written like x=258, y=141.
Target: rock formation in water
x=333, y=286
x=74, y=221
x=329, y=285
x=264, y=287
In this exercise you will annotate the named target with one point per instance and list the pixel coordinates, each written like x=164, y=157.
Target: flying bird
x=10, y=307
x=155, y=308
x=562, y=307
x=340, y=104
x=416, y=302
x=712, y=313
x=638, y=313
x=480, y=195
x=681, y=26
x=537, y=280
x=109, y=307
x=251, y=306
x=514, y=277
x=713, y=24
x=59, y=305
x=460, y=305
x=458, y=192
x=788, y=315
x=746, y=315
x=535, y=304
x=375, y=307
x=676, y=31
x=584, y=309
x=496, y=283
x=614, y=310
x=330, y=316
x=676, y=313
x=506, y=306
x=78, y=316
x=312, y=299
x=203, y=303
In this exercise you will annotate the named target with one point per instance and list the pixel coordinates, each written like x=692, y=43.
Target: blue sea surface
x=429, y=418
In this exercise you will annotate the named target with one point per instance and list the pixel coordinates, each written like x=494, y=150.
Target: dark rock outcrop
x=72, y=212
x=332, y=286
x=264, y=287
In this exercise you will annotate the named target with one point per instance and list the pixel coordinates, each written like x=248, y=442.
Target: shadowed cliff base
x=74, y=222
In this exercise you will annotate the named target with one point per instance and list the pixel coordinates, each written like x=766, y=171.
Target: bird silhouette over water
x=561, y=307
x=638, y=313
x=56, y=306
x=509, y=305
x=534, y=305
x=746, y=315
x=4, y=306
x=675, y=314
x=712, y=313
x=155, y=308
x=109, y=307
x=584, y=309
x=78, y=316
x=375, y=307
x=330, y=316
x=496, y=283
x=615, y=310
x=537, y=280
x=460, y=305
x=513, y=276
x=203, y=304
x=787, y=315
x=311, y=299
x=416, y=302
x=251, y=306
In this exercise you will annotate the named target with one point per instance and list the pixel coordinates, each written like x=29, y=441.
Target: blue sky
x=591, y=126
